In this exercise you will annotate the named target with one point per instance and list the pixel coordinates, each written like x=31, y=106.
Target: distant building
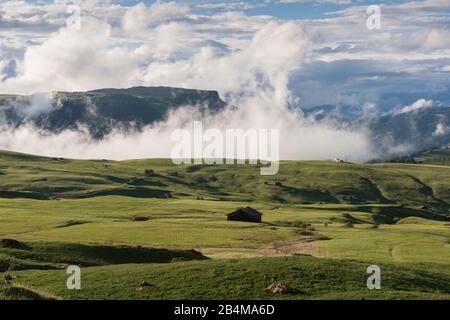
x=246, y=214
x=338, y=160
x=149, y=172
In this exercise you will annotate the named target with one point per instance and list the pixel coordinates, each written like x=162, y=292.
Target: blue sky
x=307, y=9
x=290, y=9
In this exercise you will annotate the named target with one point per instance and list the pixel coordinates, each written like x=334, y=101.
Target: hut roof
x=246, y=210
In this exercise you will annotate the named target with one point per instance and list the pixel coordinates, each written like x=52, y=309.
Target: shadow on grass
x=310, y=195
x=96, y=255
x=118, y=255
x=24, y=195
x=21, y=293
x=137, y=192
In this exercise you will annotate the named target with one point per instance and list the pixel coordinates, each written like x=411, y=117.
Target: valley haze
x=139, y=122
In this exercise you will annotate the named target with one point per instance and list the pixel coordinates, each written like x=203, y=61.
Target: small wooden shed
x=246, y=214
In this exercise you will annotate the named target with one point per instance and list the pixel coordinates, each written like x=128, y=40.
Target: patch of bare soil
x=280, y=248
x=288, y=248
x=278, y=288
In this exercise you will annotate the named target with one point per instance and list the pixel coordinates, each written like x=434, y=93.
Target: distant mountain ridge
x=104, y=109
x=409, y=132
x=421, y=129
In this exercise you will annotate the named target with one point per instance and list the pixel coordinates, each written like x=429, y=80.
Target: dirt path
x=287, y=248
x=276, y=249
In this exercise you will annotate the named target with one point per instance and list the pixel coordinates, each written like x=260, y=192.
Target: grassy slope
x=307, y=277
x=437, y=156
x=303, y=182
x=324, y=194
x=187, y=224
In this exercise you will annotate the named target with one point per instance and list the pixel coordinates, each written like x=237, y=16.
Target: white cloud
x=299, y=138
x=34, y=105
x=441, y=130
x=275, y=51
x=231, y=5
x=249, y=59
x=419, y=104
x=139, y=17
x=254, y=78
x=73, y=60
x=317, y=1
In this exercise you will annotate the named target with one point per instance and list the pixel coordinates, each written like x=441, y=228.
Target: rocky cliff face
x=100, y=111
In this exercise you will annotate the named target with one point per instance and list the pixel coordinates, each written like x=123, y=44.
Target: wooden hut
x=246, y=214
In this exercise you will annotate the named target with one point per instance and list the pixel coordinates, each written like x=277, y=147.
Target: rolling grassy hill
x=124, y=222
x=437, y=156
x=434, y=156
x=306, y=278
x=302, y=182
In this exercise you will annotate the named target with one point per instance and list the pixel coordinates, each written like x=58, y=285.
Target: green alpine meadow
x=224, y=159
x=149, y=229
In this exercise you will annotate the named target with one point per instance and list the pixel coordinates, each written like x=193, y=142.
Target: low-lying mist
x=300, y=138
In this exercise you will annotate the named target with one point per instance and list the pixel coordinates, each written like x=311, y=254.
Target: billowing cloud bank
x=249, y=60
x=298, y=139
